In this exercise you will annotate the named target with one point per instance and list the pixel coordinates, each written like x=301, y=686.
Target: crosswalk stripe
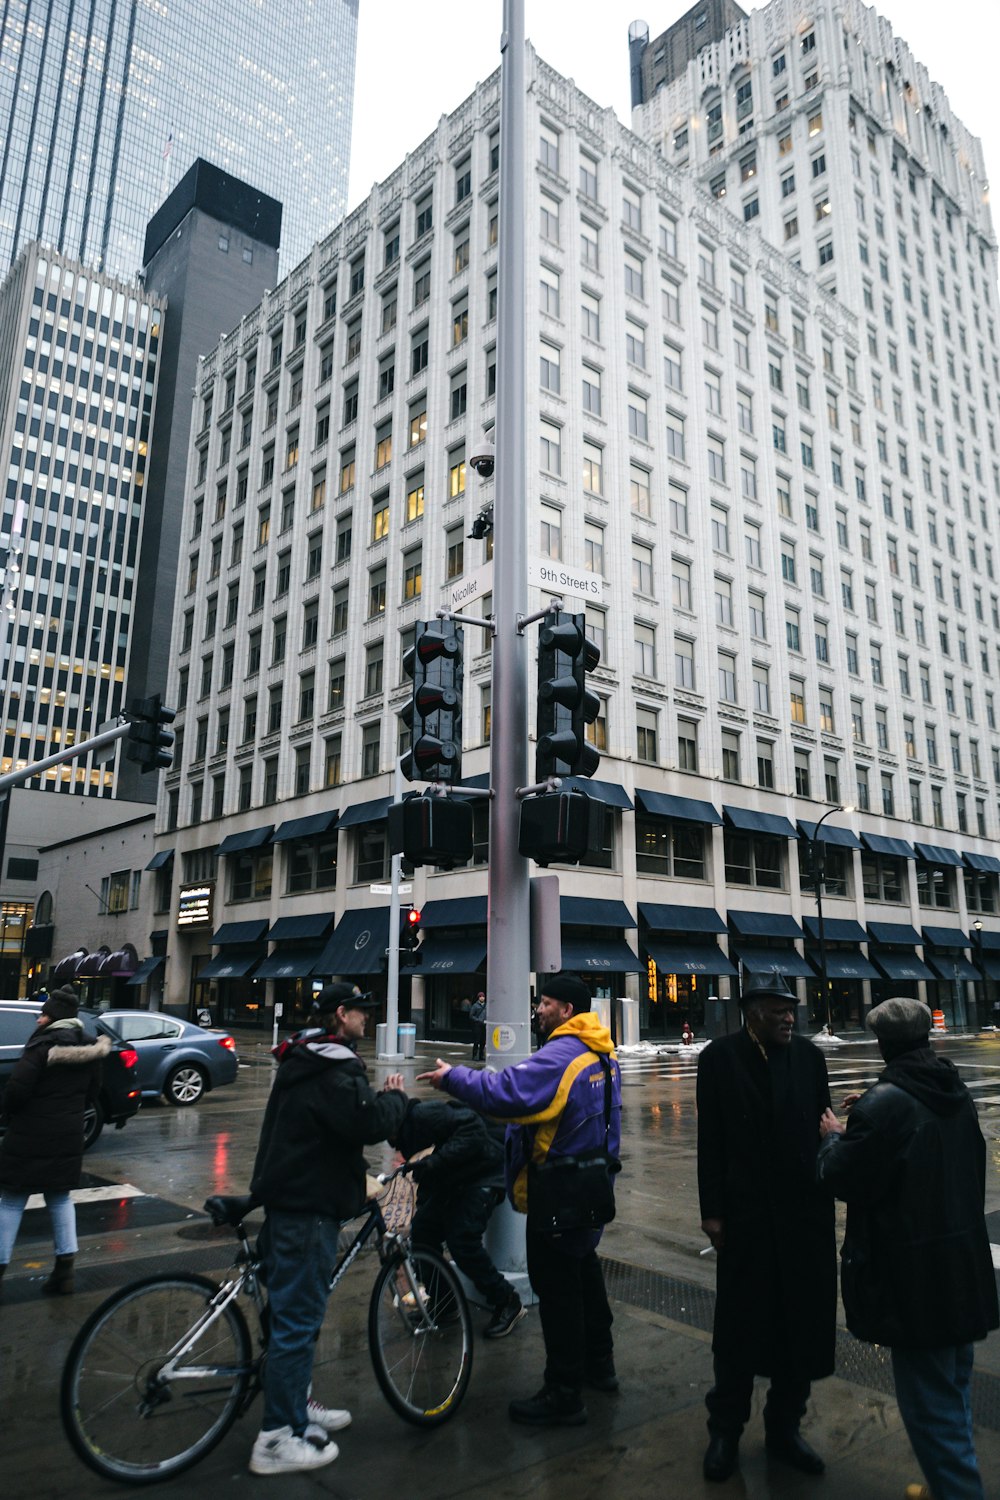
x=111, y=1193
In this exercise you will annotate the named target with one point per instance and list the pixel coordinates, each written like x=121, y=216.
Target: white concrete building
x=790, y=619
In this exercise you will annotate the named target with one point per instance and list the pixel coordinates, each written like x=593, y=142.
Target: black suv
x=120, y=1095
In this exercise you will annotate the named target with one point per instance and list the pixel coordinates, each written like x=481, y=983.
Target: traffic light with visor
x=434, y=713
x=149, y=743
x=565, y=704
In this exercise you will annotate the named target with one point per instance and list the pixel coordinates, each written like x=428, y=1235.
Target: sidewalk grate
x=694, y=1306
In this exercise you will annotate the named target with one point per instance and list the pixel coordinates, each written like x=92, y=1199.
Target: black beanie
x=567, y=989
x=62, y=1005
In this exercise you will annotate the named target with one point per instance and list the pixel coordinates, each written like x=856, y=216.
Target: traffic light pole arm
x=84, y=747
x=490, y=624
x=550, y=784
x=553, y=607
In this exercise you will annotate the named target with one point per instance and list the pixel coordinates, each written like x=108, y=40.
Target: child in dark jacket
x=458, y=1186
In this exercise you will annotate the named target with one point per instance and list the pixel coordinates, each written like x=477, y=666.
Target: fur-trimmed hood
x=80, y=1052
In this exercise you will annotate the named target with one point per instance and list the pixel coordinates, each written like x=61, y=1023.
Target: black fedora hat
x=766, y=987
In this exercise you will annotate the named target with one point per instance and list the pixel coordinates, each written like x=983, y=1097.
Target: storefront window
x=665, y=848
x=250, y=875
x=753, y=861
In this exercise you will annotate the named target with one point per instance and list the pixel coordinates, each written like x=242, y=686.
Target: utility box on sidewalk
x=628, y=1022
x=601, y=1008
x=381, y=1038
x=407, y=1034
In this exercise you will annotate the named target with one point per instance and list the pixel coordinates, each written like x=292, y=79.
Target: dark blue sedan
x=176, y=1058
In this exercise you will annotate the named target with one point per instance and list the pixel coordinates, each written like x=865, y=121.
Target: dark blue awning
x=365, y=812
x=597, y=956
x=749, y=821
x=836, y=929
x=846, y=838
x=601, y=791
x=164, y=856
x=358, y=944
x=311, y=928
x=231, y=934
x=250, y=838
x=841, y=965
x=680, y=918
x=988, y=939
x=767, y=924
x=679, y=809
x=772, y=961
x=305, y=828
x=879, y=844
x=937, y=854
x=588, y=911
x=146, y=968
x=901, y=966
x=986, y=864
x=898, y=934
x=689, y=958
x=991, y=967
x=229, y=966
x=462, y=911
x=289, y=963
x=442, y=955
x=946, y=937
x=952, y=968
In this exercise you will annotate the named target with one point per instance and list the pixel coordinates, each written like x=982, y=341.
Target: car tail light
x=228, y=1042
x=129, y=1057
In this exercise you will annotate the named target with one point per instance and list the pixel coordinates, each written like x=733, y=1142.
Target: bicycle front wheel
x=420, y=1336
x=126, y=1417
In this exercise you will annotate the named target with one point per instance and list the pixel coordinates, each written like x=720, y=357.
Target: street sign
x=556, y=578
x=386, y=890
x=471, y=588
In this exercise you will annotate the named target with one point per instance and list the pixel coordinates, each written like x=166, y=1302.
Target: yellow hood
x=589, y=1029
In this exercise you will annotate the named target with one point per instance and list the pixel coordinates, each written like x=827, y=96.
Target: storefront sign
x=194, y=906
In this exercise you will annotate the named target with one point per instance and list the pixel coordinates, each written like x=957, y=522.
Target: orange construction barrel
x=937, y=1021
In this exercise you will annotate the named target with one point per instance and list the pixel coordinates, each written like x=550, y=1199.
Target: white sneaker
x=327, y=1417
x=281, y=1452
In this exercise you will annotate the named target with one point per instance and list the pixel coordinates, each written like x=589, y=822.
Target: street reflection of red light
x=220, y=1162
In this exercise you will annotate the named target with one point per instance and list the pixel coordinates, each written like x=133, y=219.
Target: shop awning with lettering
x=288, y=963
x=358, y=944
x=689, y=958
x=952, y=968
x=772, y=960
x=445, y=955
x=229, y=966
x=843, y=965
x=901, y=966
x=598, y=956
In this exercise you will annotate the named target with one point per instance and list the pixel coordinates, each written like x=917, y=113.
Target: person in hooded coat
x=916, y=1266
x=54, y=1080
x=760, y=1094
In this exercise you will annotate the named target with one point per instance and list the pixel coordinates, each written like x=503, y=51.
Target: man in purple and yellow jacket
x=554, y=1105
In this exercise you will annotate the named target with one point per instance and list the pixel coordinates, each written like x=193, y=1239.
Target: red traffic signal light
x=413, y=918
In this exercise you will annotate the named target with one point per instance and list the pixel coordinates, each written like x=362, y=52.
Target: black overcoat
x=57, y=1075
x=758, y=1135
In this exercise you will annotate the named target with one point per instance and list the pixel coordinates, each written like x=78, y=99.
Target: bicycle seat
x=231, y=1211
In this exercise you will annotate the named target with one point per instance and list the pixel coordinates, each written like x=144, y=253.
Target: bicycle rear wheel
x=123, y=1418
x=420, y=1336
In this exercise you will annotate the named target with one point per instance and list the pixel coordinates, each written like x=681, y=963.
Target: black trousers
x=479, y=1041
x=458, y=1218
x=729, y=1399
x=573, y=1307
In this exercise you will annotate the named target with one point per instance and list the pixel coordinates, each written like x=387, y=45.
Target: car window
x=143, y=1028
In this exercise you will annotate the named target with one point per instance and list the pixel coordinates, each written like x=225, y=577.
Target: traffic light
x=149, y=742
x=409, y=927
x=431, y=830
x=434, y=713
x=565, y=704
x=560, y=827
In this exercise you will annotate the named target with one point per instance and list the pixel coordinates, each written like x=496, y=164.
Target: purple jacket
x=553, y=1101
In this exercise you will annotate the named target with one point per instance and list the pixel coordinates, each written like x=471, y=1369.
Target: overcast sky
x=417, y=62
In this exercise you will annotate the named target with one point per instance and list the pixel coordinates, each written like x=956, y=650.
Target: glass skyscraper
x=104, y=104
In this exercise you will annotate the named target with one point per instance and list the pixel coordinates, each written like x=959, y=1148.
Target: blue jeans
x=62, y=1216
x=932, y=1391
x=299, y=1253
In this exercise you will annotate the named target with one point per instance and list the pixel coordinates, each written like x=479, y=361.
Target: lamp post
x=980, y=988
x=819, y=870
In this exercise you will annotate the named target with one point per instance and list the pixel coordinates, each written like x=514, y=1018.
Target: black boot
x=553, y=1406
x=791, y=1448
x=721, y=1457
x=60, y=1283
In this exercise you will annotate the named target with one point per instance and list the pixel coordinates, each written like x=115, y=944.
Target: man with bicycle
x=310, y=1177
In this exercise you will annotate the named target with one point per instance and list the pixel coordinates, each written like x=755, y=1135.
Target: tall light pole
x=818, y=865
x=980, y=987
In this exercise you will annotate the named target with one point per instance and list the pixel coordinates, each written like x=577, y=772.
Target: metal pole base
x=395, y=1057
x=505, y=1240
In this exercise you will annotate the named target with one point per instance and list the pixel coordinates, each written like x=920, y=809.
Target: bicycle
x=160, y=1371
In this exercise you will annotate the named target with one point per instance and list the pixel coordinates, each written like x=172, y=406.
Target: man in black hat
x=916, y=1268
x=310, y=1177
x=761, y=1093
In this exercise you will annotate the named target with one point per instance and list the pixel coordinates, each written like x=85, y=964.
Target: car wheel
x=93, y=1124
x=185, y=1085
